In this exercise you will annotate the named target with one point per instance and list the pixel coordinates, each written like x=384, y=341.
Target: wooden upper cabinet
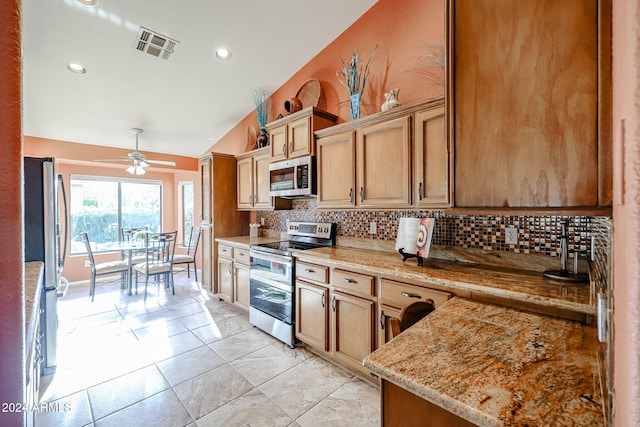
x=384, y=164
x=292, y=135
x=369, y=162
x=253, y=180
x=530, y=102
x=245, y=182
x=278, y=143
x=431, y=159
x=336, y=165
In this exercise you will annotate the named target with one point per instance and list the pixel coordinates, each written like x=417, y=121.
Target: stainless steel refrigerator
x=45, y=231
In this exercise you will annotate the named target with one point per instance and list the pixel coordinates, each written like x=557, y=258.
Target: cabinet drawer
x=355, y=282
x=315, y=273
x=225, y=251
x=241, y=255
x=399, y=294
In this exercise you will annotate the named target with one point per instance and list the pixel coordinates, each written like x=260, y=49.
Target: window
x=101, y=205
x=186, y=209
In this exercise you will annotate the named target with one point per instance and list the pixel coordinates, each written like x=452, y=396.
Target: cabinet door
x=352, y=329
x=206, y=263
x=528, y=134
x=245, y=183
x=336, y=163
x=278, y=143
x=241, y=285
x=225, y=279
x=299, y=138
x=431, y=160
x=261, y=198
x=312, y=314
x=385, y=314
x=384, y=164
x=204, y=165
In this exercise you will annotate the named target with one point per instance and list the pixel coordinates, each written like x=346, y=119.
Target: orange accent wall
x=63, y=150
x=11, y=257
x=186, y=169
x=400, y=30
x=626, y=213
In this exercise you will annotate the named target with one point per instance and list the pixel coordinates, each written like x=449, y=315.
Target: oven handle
x=272, y=283
x=270, y=257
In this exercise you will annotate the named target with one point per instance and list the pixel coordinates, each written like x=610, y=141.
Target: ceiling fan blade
x=124, y=160
x=160, y=162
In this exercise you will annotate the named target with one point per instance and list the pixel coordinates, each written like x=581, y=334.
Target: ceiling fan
x=139, y=160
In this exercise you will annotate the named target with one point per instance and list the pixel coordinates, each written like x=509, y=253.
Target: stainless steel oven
x=272, y=278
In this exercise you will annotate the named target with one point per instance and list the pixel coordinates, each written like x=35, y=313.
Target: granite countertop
x=514, y=284
x=245, y=241
x=497, y=366
x=33, y=272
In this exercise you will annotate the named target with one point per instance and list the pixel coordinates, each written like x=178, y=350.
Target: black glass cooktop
x=284, y=248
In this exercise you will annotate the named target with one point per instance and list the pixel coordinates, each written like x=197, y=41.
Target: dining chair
x=160, y=248
x=410, y=315
x=192, y=250
x=104, y=268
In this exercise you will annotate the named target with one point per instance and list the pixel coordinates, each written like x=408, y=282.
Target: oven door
x=271, y=285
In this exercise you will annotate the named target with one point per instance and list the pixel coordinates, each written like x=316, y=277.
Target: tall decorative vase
x=263, y=138
x=355, y=106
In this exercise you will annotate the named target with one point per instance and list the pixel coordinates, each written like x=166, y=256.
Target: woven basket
x=311, y=94
x=252, y=138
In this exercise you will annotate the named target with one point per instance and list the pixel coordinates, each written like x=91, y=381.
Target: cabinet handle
x=350, y=280
x=407, y=294
x=333, y=303
x=291, y=147
x=322, y=300
x=351, y=195
x=361, y=194
x=284, y=149
x=420, y=191
x=382, y=319
x=308, y=270
x=230, y=272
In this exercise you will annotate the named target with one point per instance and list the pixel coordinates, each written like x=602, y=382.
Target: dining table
x=124, y=247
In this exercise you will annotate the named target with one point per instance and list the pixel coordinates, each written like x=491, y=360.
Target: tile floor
x=188, y=360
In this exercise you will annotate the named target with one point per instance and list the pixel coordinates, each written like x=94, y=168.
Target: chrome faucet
x=564, y=250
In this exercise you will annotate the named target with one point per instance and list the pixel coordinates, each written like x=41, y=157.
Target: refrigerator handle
x=63, y=254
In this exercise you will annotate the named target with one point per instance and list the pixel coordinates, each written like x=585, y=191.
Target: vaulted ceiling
x=185, y=102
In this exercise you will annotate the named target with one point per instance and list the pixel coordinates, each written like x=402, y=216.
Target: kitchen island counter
x=496, y=366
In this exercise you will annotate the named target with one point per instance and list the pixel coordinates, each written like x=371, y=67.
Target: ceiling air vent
x=154, y=43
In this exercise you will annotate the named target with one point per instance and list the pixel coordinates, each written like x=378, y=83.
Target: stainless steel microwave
x=293, y=178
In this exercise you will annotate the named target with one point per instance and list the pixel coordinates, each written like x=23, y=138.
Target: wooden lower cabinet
x=352, y=329
x=312, y=314
x=333, y=319
x=225, y=279
x=403, y=408
x=241, y=285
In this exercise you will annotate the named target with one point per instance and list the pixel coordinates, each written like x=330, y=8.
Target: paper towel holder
x=406, y=256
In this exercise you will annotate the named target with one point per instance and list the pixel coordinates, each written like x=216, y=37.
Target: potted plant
x=354, y=77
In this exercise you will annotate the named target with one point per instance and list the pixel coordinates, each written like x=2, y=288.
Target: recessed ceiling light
x=88, y=2
x=76, y=68
x=223, y=54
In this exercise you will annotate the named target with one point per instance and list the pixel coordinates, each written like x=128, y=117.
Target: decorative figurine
x=390, y=100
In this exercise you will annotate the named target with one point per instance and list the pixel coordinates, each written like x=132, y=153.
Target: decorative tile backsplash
x=536, y=234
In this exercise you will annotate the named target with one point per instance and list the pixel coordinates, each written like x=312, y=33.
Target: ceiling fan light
x=143, y=164
x=131, y=169
x=140, y=170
